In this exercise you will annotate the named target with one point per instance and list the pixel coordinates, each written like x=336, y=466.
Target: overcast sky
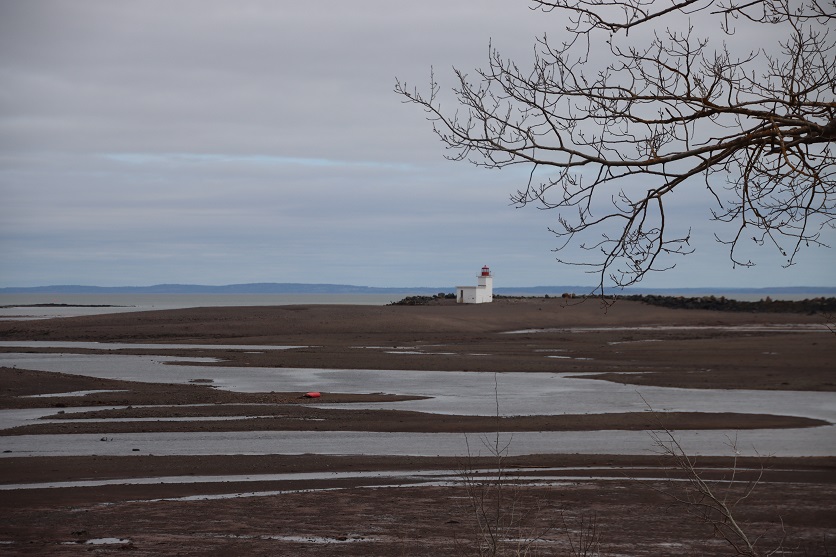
x=219, y=142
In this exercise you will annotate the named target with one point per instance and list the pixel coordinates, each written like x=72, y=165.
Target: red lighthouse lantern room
x=486, y=271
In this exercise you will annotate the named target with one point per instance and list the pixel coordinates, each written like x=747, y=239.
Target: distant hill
x=306, y=288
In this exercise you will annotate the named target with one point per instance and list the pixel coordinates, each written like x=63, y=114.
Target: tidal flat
x=187, y=432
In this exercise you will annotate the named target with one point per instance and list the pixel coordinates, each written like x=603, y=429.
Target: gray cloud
x=217, y=142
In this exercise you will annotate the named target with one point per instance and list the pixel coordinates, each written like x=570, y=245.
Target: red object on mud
x=313, y=394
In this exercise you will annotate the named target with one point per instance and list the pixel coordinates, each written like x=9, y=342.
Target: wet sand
x=631, y=342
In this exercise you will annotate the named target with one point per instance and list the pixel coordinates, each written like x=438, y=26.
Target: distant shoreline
x=793, y=292
x=62, y=306
x=826, y=305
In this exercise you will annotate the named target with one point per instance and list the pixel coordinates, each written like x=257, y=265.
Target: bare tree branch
x=610, y=138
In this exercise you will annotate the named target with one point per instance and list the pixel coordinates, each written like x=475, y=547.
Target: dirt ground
x=393, y=513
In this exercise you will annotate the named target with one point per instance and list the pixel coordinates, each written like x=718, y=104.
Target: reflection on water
x=129, y=346
x=820, y=441
x=74, y=393
x=766, y=328
x=460, y=393
x=354, y=479
x=26, y=416
x=466, y=393
x=414, y=475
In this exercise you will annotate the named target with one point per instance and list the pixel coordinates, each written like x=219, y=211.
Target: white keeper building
x=482, y=293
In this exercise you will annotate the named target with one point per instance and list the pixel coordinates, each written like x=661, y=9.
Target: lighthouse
x=482, y=293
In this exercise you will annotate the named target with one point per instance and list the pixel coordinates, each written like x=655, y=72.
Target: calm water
x=449, y=392
x=762, y=442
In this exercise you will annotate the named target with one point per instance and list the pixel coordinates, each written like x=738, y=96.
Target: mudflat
x=387, y=505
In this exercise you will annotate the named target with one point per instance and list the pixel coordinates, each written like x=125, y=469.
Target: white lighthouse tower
x=482, y=293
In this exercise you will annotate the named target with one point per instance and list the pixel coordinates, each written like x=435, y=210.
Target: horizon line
x=405, y=288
